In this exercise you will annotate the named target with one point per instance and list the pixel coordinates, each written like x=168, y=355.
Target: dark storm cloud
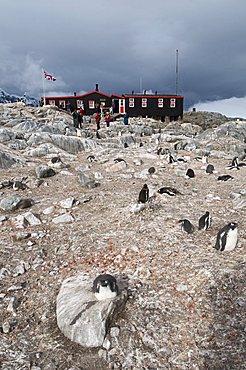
x=117, y=43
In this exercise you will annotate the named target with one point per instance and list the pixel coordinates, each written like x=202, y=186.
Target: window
x=172, y=103
x=160, y=103
x=91, y=104
x=62, y=104
x=52, y=102
x=144, y=103
x=80, y=104
x=131, y=102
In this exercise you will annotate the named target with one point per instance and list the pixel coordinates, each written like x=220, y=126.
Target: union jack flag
x=49, y=77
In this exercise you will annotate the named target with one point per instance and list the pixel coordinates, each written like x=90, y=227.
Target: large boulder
x=80, y=316
x=44, y=171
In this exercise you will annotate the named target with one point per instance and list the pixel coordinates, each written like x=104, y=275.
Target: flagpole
x=43, y=79
x=177, y=70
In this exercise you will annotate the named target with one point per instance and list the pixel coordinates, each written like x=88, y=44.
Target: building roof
x=138, y=95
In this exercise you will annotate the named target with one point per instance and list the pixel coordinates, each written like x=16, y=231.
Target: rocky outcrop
x=80, y=316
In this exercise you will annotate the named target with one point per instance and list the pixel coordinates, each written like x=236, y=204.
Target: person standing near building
x=125, y=118
x=98, y=119
x=75, y=119
x=107, y=119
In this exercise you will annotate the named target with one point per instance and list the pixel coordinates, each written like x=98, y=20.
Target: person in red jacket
x=107, y=119
x=98, y=119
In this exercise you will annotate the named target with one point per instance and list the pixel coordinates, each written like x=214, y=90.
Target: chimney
x=74, y=93
x=155, y=92
x=132, y=92
x=97, y=87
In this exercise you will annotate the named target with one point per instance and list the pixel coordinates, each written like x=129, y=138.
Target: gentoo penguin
x=105, y=287
x=190, y=173
x=187, y=226
x=225, y=178
x=91, y=158
x=235, y=163
x=18, y=185
x=170, y=158
x=55, y=159
x=168, y=190
x=117, y=160
x=209, y=169
x=227, y=238
x=144, y=194
x=204, y=221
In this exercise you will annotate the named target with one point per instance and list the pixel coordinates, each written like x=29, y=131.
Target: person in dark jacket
x=75, y=119
x=125, y=118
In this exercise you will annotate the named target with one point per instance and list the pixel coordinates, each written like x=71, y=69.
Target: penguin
x=209, y=169
x=168, y=190
x=117, y=160
x=225, y=178
x=227, y=238
x=126, y=145
x=187, y=226
x=190, y=173
x=91, y=158
x=105, y=287
x=204, y=222
x=18, y=185
x=144, y=194
x=160, y=151
x=234, y=162
x=170, y=158
x=55, y=160
x=151, y=170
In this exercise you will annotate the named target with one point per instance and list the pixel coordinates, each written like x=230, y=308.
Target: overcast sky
x=120, y=43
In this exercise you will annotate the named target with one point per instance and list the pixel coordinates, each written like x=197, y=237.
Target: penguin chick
x=144, y=194
x=204, y=222
x=187, y=226
x=227, y=237
x=105, y=287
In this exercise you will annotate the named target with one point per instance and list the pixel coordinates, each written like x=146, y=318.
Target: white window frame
x=160, y=102
x=80, y=104
x=91, y=104
x=173, y=103
x=62, y=104
x=144, y=102
x=131, y=102
x=52, y=103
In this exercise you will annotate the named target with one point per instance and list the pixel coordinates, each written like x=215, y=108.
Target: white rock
x=49, y=210
x=63, y=219
x=67, y=203
x=32, y=219
x=80, y=316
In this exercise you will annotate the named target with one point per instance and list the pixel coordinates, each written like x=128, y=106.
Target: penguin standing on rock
x=227, y=238
x=144, y=194
x=204, y=221
x=187, y=226
x=105, y=287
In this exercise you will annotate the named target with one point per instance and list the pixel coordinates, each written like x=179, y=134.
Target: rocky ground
x=186, y=305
